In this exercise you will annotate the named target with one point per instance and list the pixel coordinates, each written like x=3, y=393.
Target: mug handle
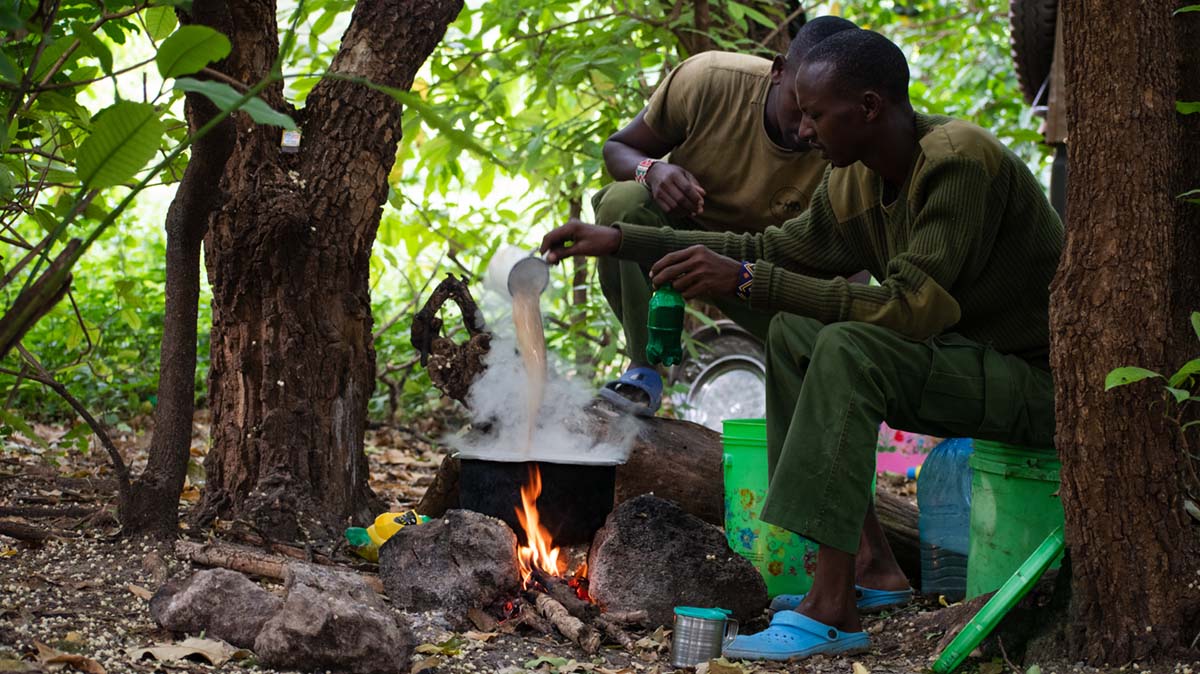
x=731, y=631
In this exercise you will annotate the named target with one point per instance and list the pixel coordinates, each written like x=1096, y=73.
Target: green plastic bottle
x=665, y=323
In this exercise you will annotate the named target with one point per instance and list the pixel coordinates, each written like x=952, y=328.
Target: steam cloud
x=499, y=397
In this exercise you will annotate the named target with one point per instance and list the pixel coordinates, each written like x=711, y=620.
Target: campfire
x=540, y=552
x=549, y=592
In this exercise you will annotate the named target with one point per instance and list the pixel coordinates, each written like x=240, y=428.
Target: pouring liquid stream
x=531, y=340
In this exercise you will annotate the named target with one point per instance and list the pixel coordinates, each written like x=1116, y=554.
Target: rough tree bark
x=154, y=503
x=288, y=256
x=1127, y=279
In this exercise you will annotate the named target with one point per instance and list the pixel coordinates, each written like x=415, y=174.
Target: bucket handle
x=731, y=632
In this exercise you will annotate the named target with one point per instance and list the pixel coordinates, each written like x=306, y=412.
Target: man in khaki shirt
x=736, y=164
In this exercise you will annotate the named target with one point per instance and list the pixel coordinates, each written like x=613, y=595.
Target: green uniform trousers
x=830, y=386
x=626, y=284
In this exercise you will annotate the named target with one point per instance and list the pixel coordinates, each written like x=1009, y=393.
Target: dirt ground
x=80, y=599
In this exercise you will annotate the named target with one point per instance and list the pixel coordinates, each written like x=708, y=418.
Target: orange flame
x=539, y=550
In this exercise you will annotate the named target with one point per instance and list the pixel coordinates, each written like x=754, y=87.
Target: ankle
x=841, y=615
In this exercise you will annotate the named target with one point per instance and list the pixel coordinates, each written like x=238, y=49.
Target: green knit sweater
x=969, y=246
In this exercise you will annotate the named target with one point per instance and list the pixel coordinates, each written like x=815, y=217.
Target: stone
x=653, y=556
x=221, y=603
x=459, y=561
x=332, y=620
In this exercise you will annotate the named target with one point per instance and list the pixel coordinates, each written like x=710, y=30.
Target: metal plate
x=731, y=387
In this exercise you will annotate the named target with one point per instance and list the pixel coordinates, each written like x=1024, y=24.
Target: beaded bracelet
x=643, y=167
x=745, y=280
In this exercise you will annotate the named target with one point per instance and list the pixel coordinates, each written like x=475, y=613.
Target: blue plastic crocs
x=644, y=379
x=868, y=600
x=792, y=636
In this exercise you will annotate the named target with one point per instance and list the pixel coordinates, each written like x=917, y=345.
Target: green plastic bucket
x=785, y=560
x=1014, y=507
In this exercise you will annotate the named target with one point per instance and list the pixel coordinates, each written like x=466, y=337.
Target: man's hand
x=675, y=190
x=580, y=238
x=697, y=272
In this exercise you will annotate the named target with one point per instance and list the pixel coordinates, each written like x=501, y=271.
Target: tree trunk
x=288, y=258
x=1120, y=298
x=154, y=506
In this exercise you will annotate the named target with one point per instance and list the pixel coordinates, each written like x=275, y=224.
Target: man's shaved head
x=862, y=60
x=813, y=32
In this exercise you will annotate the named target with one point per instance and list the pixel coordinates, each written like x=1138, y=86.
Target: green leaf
x=1180, y=394
x=1127, y=375
x=10, y=15
x=1189, y=369
x=160, y=21
x=189, y=49
x=95, y=45
x=545, y=660
x=1190, y=196
x=226, y=98
x=123, y=139
x=9, y=70
x=14, y=419
x=1196, y=323
x=1187, y=107
x=1033, y=669
x=1186, y=8
x=131, y=318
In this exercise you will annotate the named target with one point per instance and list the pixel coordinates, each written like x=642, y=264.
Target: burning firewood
x=565, y=595
x=584, y=636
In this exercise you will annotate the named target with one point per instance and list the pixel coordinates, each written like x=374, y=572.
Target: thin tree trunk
x=154, y=506
x=288, y=258
x=1118, y=300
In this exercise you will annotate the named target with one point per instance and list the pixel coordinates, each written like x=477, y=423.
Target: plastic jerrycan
x=665, y=324
x=944, y=518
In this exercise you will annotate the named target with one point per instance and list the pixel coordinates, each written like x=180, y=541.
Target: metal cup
x=697, y=639
x=530, y=274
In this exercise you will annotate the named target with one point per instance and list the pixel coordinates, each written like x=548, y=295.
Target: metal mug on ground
x=700, y=634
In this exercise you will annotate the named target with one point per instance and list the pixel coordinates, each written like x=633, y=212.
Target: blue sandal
x=868, y=600
x=644, y=379
x=792, y=636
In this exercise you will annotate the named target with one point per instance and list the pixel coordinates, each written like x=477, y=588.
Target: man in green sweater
x=953, y=342
x=735, y=164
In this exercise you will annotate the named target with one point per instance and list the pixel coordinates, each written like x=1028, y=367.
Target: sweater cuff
x=775, y=289
x=644, y=245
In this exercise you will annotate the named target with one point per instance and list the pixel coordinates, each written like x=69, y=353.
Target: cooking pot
x=575, y=500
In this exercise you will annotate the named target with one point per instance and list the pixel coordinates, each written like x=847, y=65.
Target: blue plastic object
x=944, y=521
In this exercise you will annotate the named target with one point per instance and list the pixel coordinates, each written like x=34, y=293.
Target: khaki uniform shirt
x=711, y=109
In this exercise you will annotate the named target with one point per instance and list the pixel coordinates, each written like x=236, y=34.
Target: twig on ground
x=41, y=511
x=25, y=532
x=249, y=560
x=614, y=632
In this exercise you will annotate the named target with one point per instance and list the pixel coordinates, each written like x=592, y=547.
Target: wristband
x=745, y=280
x=643, y=167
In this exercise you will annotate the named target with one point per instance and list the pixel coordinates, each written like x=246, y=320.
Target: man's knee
x=792, y=334
x=618, y=201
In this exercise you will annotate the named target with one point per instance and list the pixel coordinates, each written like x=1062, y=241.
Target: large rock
x=653, y=556
x=221, y=603
x=459, y=561
x=332, y=620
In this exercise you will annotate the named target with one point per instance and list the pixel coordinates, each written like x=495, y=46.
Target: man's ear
x=777, y=67
x=872, y=105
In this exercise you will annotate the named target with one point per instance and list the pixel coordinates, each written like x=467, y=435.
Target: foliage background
x=511, y=112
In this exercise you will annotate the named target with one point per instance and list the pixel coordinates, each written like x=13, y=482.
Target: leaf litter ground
x=79, y=601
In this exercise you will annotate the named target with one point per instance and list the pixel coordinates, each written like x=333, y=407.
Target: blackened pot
x=574, y=502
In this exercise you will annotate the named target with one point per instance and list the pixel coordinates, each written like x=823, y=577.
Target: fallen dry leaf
x=425, y=665
x=480, y=636
x=482, y=621
x=8, y=665
x=49, y=656
x=860, y=668
x=139, y=591
x=723, y=666
x=215, y=651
